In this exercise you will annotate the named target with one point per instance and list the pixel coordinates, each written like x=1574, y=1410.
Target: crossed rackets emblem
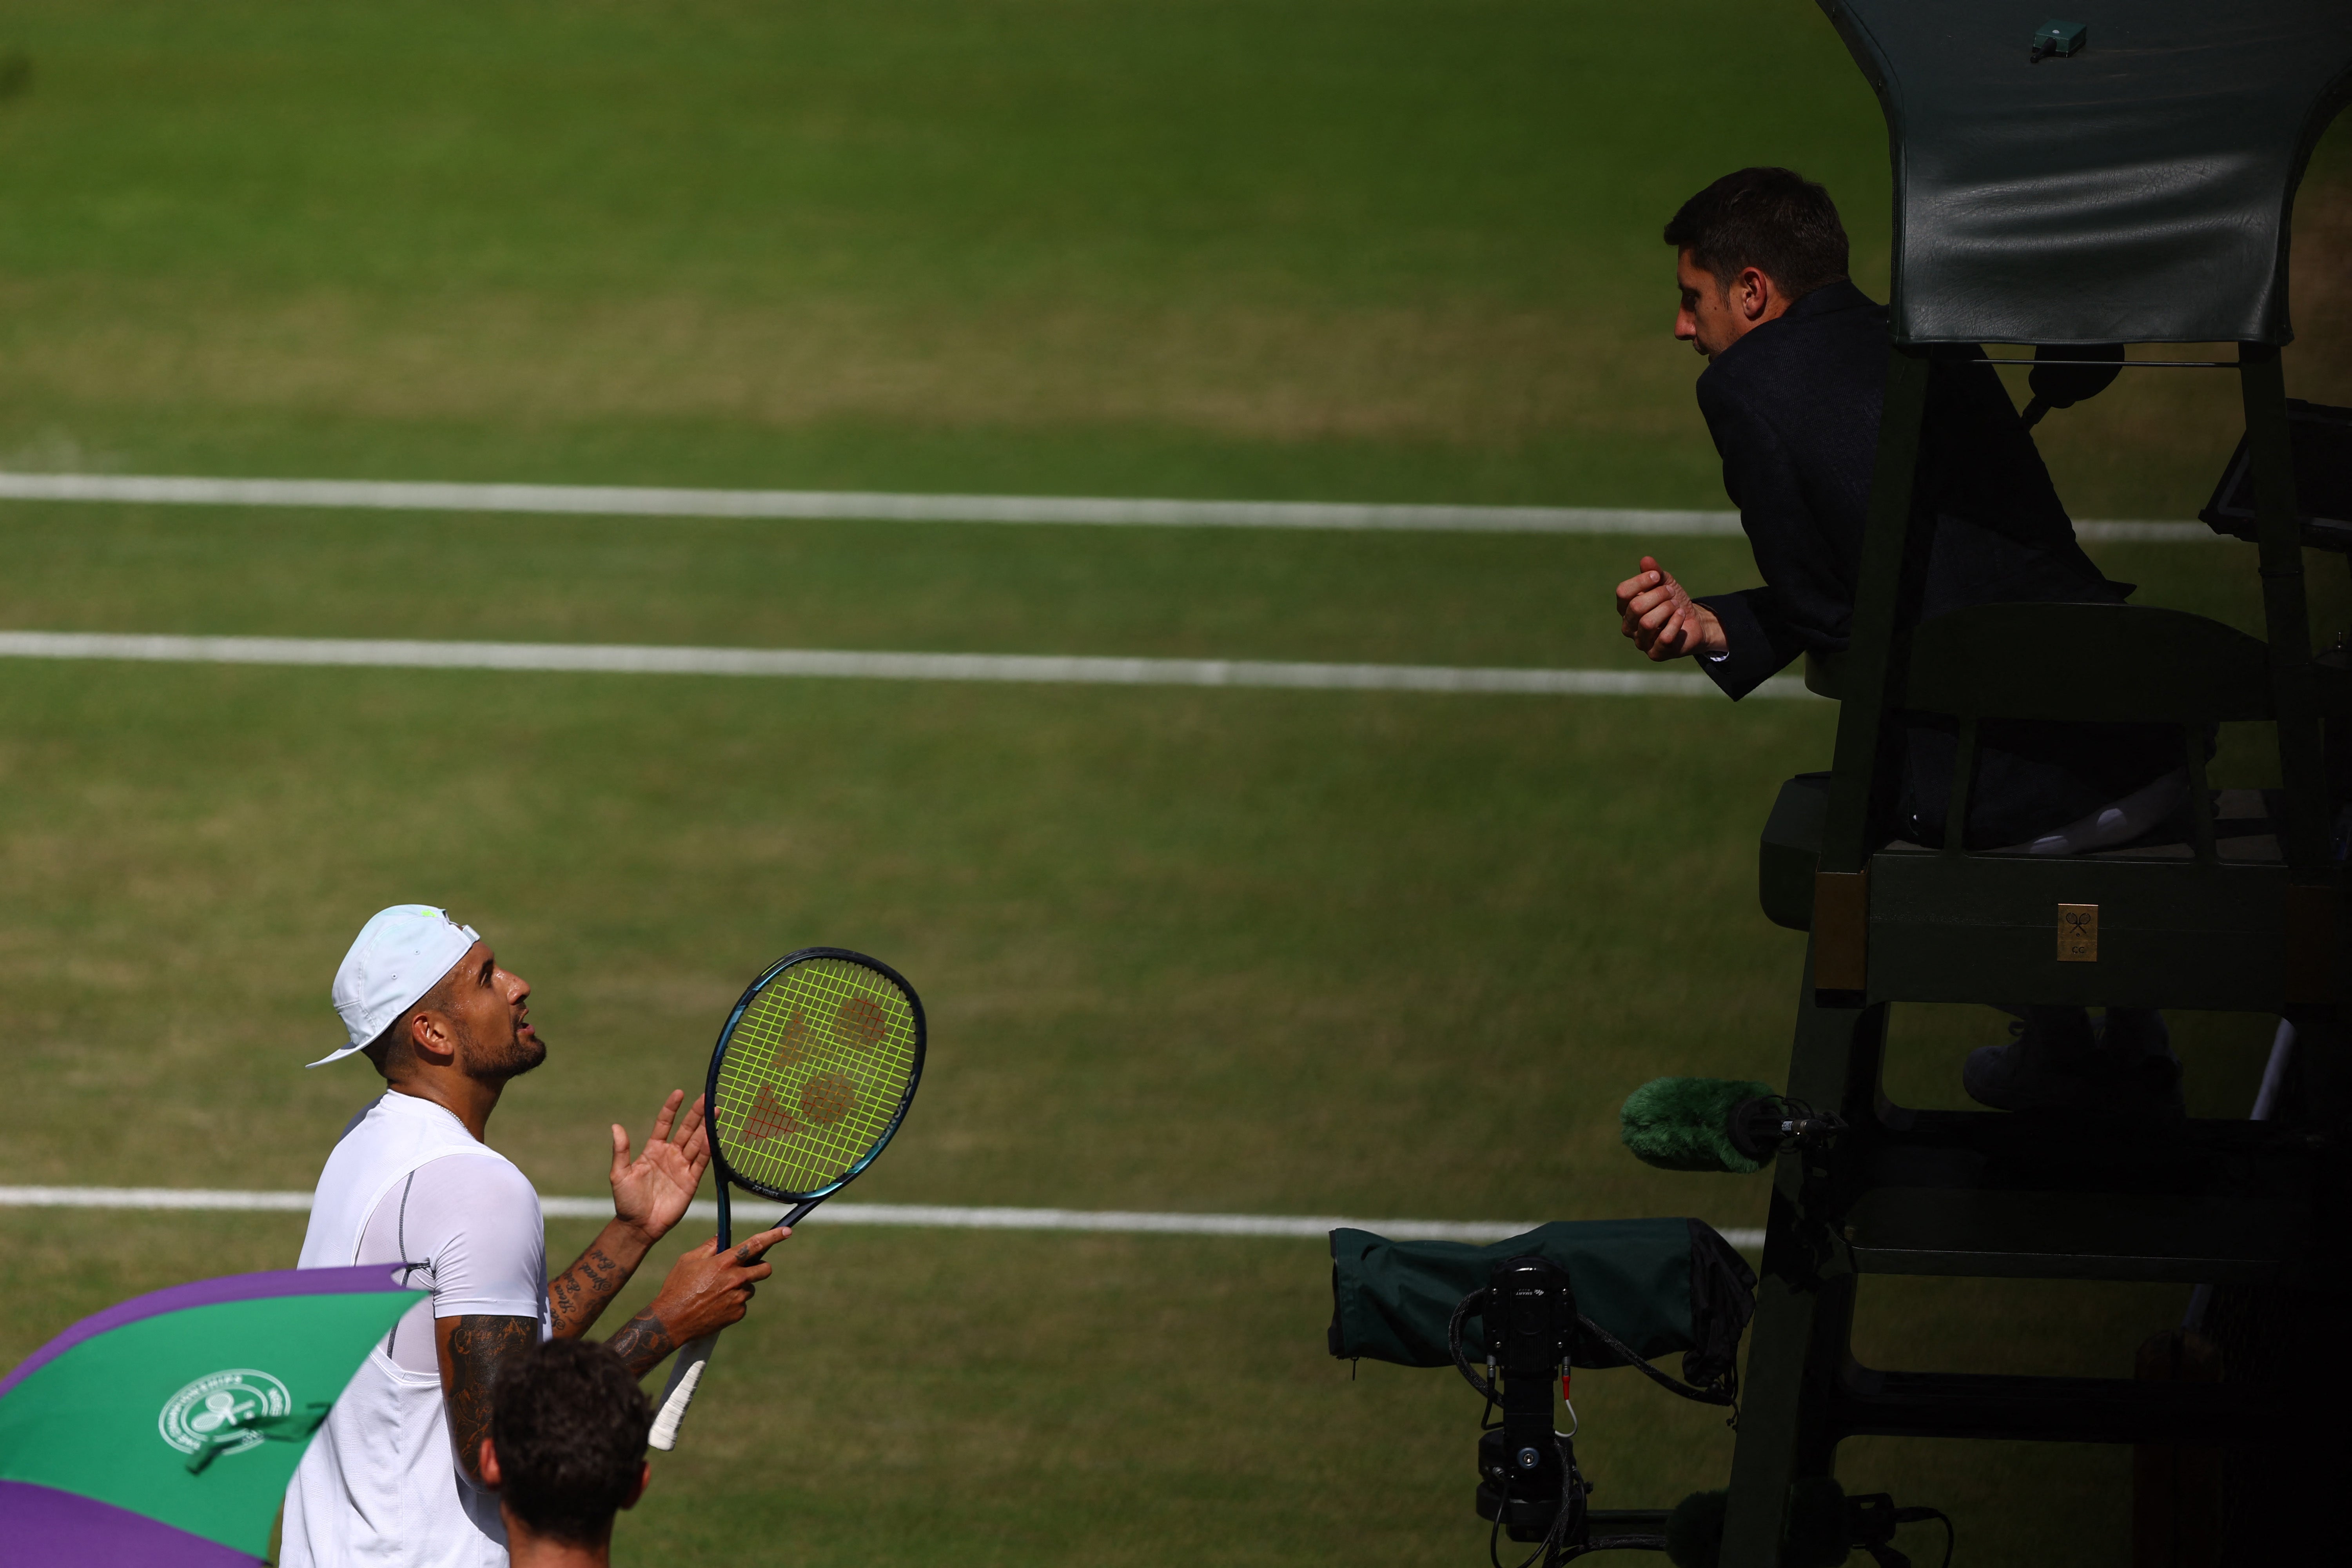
x=223, y=1410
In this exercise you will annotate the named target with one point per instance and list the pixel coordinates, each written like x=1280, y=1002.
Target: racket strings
x=815, y=1073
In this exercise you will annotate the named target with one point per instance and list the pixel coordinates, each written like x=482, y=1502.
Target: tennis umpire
x=394, y=1475
x=1792, y=394
x=566, y=1451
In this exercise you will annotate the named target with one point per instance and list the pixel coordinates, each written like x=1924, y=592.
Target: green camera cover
x=1658, y=1285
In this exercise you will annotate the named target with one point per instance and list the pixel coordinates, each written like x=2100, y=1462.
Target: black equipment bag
x=1657, y=1285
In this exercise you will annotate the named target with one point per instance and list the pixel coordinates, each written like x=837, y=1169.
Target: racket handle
x=685, y=1375
x=685, y=1372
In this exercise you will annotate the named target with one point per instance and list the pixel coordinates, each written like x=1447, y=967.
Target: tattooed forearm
x=581, y=1293
x=473, y=1352
x=642, y=1342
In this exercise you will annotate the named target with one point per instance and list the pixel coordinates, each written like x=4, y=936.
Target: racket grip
x=685, y=1375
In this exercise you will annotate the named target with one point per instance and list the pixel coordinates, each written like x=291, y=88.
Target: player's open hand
x=1663, y=621
x=708, y=1289
x=652, y=1191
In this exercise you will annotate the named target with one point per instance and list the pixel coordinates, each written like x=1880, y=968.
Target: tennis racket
x=811, y=1077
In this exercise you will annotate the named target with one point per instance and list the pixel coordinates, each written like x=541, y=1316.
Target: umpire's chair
x=2053, y=187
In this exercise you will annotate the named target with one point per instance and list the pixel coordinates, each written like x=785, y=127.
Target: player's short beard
x=510, y=1059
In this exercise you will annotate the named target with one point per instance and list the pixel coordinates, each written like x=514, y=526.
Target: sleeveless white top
x=380, y=1483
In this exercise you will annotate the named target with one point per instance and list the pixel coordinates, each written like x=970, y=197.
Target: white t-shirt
x=380, y=1484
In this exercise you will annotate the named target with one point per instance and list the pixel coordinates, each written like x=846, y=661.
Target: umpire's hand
x=1662, y=619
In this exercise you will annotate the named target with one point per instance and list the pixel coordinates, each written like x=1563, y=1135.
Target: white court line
x=622, y=658
x=638, y=500
x=943, y=1215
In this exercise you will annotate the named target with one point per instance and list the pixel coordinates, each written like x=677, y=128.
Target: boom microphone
x=1717, y=1124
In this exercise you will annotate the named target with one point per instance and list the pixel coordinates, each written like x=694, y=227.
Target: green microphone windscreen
x=1685, y=1123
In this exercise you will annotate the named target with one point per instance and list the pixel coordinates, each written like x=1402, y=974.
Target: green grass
x=1373, y=249
x=1022, y=1399
x=1368, y=953
x=1223, y=951
x=1200, y=593
x=1187, y=243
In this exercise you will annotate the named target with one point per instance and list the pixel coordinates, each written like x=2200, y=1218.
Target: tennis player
x=393, y=1477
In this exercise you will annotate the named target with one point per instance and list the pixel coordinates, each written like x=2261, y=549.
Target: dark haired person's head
x=1749, y=246
x=567, y=1445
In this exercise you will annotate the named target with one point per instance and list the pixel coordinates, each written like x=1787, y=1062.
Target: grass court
x=1231, y=950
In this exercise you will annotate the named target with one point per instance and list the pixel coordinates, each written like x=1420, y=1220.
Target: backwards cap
x=399, y=955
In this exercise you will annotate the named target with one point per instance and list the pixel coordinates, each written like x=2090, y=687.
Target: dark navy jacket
x=1794, y=408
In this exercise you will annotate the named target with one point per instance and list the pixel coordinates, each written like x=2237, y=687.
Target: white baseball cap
x=400, y=954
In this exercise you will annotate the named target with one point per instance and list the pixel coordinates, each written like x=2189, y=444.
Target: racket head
x=813, y=1074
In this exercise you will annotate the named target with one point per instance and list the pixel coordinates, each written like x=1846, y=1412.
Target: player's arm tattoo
x=473, y=1352
x=581, y=1293
x=642, y=1342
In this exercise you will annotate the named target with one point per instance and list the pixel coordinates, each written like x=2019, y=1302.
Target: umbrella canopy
x=162, y=1432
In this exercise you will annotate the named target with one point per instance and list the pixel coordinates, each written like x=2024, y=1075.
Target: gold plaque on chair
x=2078, y=933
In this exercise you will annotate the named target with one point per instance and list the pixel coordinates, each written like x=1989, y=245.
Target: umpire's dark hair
x=569, y=1424
x=1774, y=220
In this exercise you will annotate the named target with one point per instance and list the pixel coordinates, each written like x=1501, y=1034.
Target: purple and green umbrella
x=162, y=1432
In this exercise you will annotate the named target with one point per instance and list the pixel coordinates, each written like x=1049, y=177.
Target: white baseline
x=624, y=659
x=878, y=506
x=942, y=1215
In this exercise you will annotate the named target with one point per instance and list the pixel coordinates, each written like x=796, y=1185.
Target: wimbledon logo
x=217, y=1411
